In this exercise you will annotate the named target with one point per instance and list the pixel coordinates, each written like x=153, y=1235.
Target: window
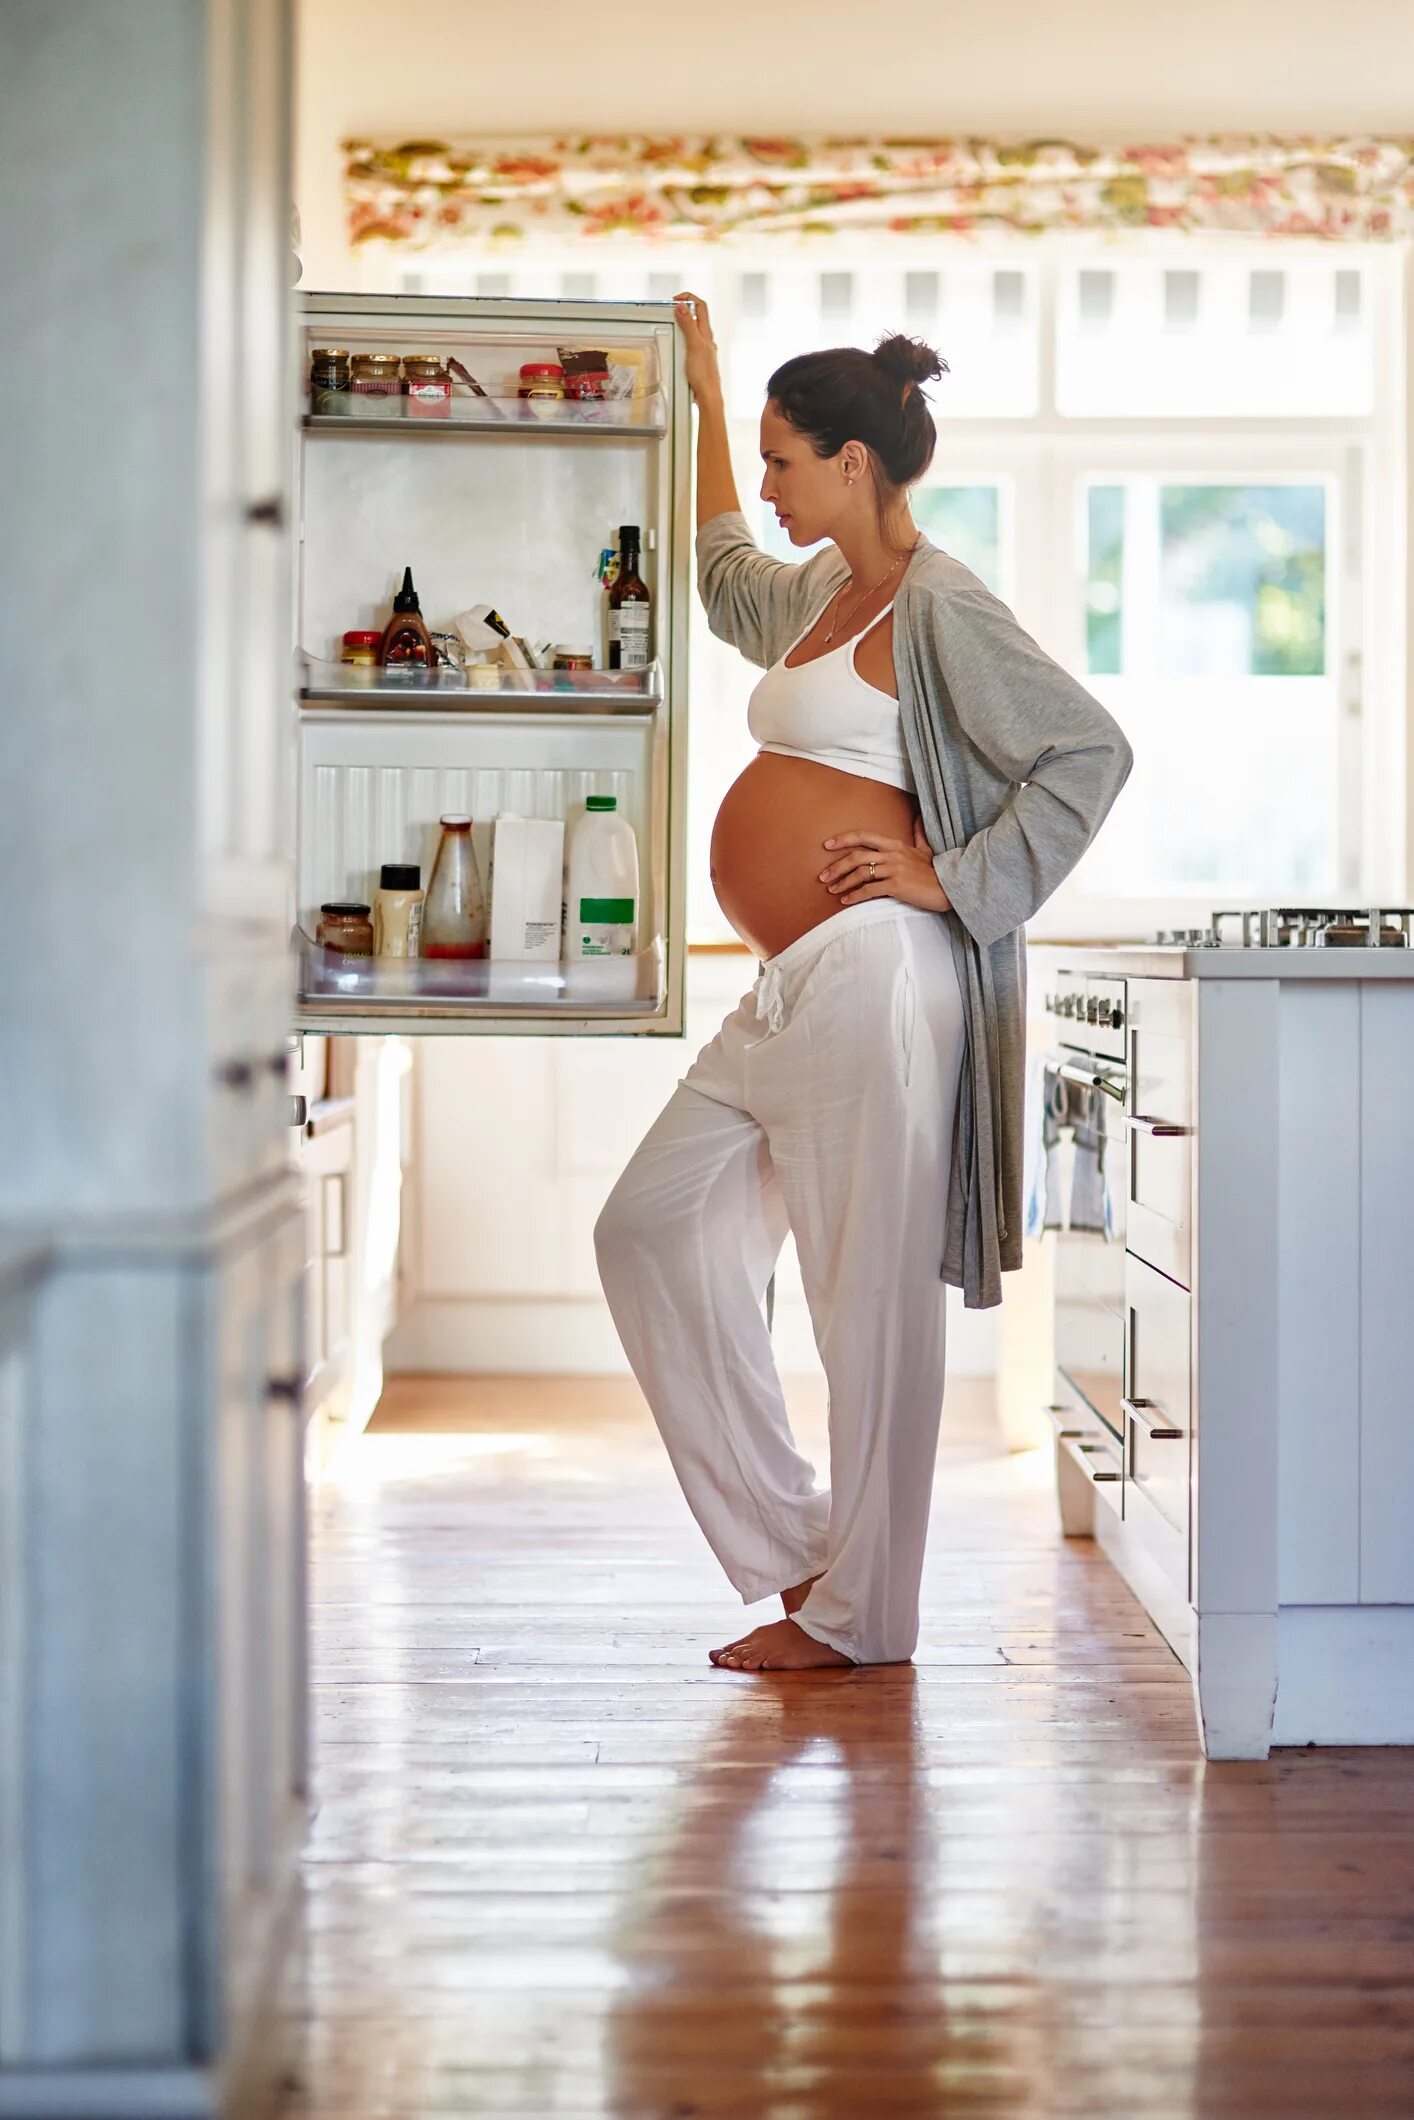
x=1181, y=467
x=1206, y=613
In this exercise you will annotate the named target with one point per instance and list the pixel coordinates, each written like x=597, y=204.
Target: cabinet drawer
x=1159, y=1120
x=1158, y=1440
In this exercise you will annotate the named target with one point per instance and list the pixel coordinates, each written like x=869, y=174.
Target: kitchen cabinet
x=1158, y=1118
x=1158, y=1415
x=488, y=504
x=1267, y=1477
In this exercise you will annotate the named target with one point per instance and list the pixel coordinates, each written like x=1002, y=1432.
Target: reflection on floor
x=561, y=1865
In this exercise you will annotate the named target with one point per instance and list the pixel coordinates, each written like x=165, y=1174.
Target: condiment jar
x=375, y=377
x=362, y=649
x=346, y=927
x=429, y=386
x=542, y=385
x=564, y=657
x=397, y=910
x=330, y=374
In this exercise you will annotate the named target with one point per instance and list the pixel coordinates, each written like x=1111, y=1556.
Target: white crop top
x=825, y=710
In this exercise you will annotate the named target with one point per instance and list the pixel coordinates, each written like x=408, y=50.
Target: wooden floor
x=561, y=1865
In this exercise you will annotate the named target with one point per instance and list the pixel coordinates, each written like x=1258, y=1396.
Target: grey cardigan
x=1016, y=766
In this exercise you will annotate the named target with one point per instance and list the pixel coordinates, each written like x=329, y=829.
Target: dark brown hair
x=847, y=395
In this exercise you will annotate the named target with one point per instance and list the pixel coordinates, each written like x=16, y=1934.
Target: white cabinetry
x=151, y=1444
x=1268, y=1471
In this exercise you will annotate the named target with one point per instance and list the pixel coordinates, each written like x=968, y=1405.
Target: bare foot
x=792, y=1599
x=779, y=1646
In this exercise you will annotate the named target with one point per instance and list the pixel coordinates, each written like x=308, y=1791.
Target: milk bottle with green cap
x=601, y=882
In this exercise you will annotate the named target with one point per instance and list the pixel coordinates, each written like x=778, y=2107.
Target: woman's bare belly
x=768, y=842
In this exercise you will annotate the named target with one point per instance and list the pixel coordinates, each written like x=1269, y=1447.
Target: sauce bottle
x=629, y=607
x=397, y=911
x=454, y=916
x=407, y=645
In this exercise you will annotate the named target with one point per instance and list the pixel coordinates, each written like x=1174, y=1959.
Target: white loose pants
x=824, y=1104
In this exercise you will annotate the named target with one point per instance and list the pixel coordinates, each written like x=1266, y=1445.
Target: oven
x=1082, y=1169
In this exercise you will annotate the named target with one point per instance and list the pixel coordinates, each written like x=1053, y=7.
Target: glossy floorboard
x=562, y=1866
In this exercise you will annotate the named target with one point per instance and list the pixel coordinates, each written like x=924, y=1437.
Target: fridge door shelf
x=605, y=419
x=551, y=692
x=425, y=986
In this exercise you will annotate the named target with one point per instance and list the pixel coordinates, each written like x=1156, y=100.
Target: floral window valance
x=429, y=194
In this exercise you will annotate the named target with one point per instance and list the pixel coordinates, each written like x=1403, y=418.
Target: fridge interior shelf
x=608, y=419
x=432, y=985
x=552, y=691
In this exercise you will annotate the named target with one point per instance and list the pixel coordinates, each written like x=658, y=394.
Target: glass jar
x=542, y=385
x=374, y=378
x=330, y=374
x=361, y=650
x=346, y=927
x=454, y=916
x=565, y=657
x=428, y=385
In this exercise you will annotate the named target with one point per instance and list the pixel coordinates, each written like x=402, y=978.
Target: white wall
x=1090, y=70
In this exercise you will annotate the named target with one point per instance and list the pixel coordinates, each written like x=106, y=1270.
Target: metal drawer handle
x=1158, y=1431
x=1085, y=1450
x=1087, y=1077
x=1158, y=1129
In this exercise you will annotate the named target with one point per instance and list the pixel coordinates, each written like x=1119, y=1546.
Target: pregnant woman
x=926, y=777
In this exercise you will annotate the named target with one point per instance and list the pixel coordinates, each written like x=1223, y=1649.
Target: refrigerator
x=491, y=498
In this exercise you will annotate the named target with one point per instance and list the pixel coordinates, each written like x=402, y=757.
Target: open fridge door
x=419, y=451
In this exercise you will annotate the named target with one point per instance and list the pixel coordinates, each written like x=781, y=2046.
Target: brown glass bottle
x=407, y=645
x=630, y=612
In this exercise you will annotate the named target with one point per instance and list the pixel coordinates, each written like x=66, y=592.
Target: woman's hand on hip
x=704, y=376
x=873, y=866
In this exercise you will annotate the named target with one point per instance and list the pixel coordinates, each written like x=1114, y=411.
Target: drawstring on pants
x=770, y=1000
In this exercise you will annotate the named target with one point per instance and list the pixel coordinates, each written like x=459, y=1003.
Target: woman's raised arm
x=716, y=486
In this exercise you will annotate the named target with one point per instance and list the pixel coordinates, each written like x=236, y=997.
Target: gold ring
x=871, y=872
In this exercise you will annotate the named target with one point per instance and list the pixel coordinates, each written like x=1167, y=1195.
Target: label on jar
x=628, y=628
x=430, y=399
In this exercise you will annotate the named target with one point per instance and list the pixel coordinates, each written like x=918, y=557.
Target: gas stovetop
x=1299, y=927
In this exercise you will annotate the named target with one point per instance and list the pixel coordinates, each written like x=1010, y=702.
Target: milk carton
x=527, y=869
x=601, y=883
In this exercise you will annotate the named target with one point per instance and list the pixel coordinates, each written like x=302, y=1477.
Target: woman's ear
x=854, y=462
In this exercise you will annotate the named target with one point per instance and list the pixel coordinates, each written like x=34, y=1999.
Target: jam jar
x=346, y=927
x=428, y=386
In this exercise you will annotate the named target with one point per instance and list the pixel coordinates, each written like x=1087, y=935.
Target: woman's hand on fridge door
x=876, y=867
x=704, y=374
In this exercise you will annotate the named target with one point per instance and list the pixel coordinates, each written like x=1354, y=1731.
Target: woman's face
x=809, y=493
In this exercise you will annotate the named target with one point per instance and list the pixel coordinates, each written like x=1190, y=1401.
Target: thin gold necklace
x=863, y=600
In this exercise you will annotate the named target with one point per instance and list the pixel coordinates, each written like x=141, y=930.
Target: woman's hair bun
x=911, y=360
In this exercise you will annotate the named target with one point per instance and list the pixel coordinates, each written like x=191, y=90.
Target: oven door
x=1086, y=1188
